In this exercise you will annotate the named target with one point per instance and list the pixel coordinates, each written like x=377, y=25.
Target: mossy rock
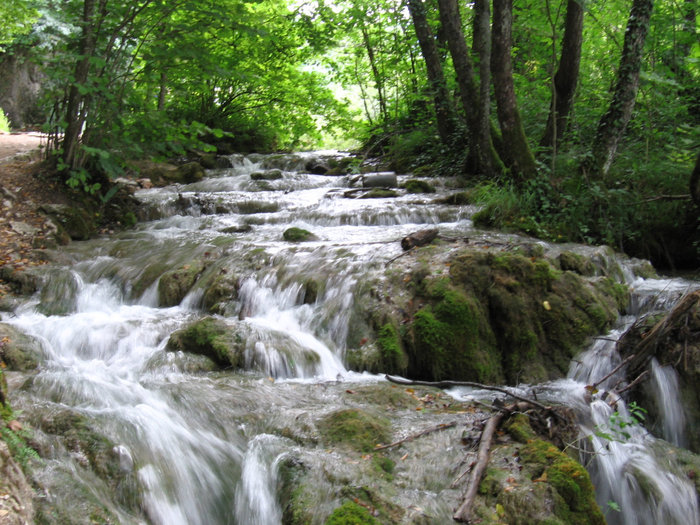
x=355, y=429
x=18, y=351
x=266, y=175
x=418, y=186
x=576, y=263
x=212, y=338
x=350, y=513
x=393, y=355
x=189, y=173
x=298, y=235
x=174, y=285
x=255, y=207
x=576, y=503
x=378, y=193
x=75, y=221
x=220, y=291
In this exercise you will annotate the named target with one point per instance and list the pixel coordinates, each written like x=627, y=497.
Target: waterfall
x=205, y=446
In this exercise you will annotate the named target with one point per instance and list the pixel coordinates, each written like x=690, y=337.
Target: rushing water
x=201, y=448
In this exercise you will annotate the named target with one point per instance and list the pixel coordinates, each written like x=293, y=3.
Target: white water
x=198, y=443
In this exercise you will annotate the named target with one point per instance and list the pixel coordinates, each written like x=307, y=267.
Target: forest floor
x=22, y=191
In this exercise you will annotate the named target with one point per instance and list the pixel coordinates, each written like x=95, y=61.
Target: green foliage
x=4, y=123
x=394, y=360
x=16, y=18
x=617, y=425
x=350, y=513
x=17, y=442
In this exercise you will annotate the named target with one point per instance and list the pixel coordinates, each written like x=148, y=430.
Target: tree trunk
x=378, y=82
x=480, y=147
x=695, y=182
x=518, y=157
x=613, y=124
x=75, y=112
x=566, y=77
x=444, y=111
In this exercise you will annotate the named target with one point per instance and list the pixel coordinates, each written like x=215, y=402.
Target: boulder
x=76, y=222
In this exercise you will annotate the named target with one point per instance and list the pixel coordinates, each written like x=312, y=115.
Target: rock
x=174, y=285
x=266, y=175
x=76, y=222
x=16, y=505
x=17, y=350
x=418, y=186
x=190, y=172
x=222, y=343
x=317, y=166
x=298, y=235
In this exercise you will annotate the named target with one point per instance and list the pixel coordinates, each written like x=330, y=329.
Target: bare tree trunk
x=163, y=90
x=444, y=111
x=566, y=77
x=75, y=113
x=480, y=148
x=378, y=82
x=519, y=157
x=613, y=124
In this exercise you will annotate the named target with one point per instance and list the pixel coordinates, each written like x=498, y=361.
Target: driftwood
x=452, y=384
x=463, y=513
x=381, y=180
x=419, y=238
x=647, y=347
x=422, y=433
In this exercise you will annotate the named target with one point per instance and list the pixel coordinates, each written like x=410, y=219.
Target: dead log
x=442, y=426
x=463, y=513
x=381, y=180
x=419, y=238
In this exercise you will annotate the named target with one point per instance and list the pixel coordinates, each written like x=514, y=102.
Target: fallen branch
x=442, y=426
x=398, y=256
x=419, y=238
x=452, y=384
x=463, y=513
x=595, y=385
x=634, y=383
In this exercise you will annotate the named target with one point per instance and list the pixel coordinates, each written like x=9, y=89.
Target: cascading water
x=198, y=446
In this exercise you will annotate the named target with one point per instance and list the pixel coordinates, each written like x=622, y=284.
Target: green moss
x=350, y=513
x=576, y=504
x=355, y=428
x=394, y=359
x=211, y=338
x=518, y=426
x=418, y=186
x=452, y=339
x=298, y=235
x=174, y=285
x=576, y=263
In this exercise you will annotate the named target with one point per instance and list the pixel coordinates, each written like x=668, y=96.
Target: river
x=204, y=447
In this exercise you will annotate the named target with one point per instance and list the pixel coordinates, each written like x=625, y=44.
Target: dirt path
x=14, y=144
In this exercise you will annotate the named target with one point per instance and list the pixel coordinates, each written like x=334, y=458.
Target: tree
x=481, y=153
x=518, y=156
x=16, y=18
x=566, y=77
x=613, y=123
x=444, y=110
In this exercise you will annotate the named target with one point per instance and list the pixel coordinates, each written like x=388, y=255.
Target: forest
x=569, y=120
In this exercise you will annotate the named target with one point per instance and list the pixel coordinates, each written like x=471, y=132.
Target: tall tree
x=566, y=77
x=444, y=109
x=518, y=156
x=613, y=123
x=480, y=148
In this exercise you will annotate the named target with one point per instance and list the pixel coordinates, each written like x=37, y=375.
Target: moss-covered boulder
x=486, y=315
x=18, y=351
x=213, y=338
x=267, y=175
x=174, y=285
x=418, y=186
x=350, y=513
x=75, y=221
x=355, y=428
x=295, y=234
x=220, y=290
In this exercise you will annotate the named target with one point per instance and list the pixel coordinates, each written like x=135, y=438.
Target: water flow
x=199, y=444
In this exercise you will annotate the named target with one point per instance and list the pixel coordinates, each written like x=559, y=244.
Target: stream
x=199, y=446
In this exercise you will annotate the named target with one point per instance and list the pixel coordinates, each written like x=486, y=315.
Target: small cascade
x=664, y=385
x=204, y=445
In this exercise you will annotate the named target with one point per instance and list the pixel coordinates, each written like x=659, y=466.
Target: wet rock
x=222, y=343
x=174, y=285
x=382, y=180
x=267, y=175
x=76, y=222
x=18, y=351
x=355, y=428
x=298, y=235
x=418, y=186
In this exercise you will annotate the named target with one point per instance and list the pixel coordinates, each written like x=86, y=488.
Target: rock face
x=21, y=82
x=17, y=350
x=488, y=316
